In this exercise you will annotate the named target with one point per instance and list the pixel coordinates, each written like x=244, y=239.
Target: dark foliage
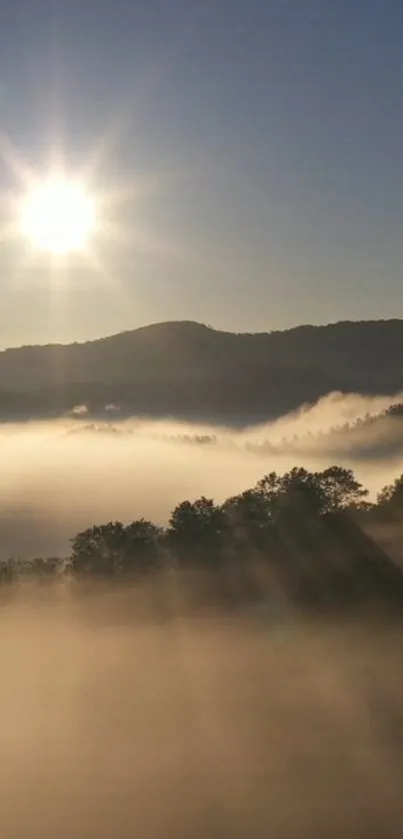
x=300, y=533
x=112, y=549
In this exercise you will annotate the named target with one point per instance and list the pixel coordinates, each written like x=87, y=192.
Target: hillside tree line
x=305, y=531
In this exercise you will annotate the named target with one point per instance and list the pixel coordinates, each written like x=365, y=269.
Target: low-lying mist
x=115, y=725
x=59, y=477
x=165, y=709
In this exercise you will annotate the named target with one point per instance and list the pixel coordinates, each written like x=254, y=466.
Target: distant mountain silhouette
x=191, y=371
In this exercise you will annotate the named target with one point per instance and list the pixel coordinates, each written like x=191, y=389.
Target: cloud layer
x=61, y=476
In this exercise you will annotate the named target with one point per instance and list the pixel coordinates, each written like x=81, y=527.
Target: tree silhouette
x=142, y=546
x=250, y=518
x=99, y=549
x=316, y=493
x=304, y=531
x=197, y=527
x=390, y=499
x=297, y=489
x=339, y=488
x=112, y=548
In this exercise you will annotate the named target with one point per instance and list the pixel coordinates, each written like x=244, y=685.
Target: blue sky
x=266, y=139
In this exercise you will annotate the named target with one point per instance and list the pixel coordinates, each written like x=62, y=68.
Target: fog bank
x=59, y=477
x=115, y=727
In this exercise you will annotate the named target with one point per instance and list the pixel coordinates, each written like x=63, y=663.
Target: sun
x=58, y=215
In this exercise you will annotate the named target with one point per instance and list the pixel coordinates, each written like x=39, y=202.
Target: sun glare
x=58, y=216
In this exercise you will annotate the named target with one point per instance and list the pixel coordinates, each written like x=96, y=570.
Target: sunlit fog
x=58, y=477
x=201, y=419
x=115, y=725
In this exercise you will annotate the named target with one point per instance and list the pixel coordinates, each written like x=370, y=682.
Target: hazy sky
x=264, y=143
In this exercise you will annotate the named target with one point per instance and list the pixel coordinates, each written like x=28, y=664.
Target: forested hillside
x=191, y=371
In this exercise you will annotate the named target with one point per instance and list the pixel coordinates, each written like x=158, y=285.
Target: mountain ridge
x=157, y=325
x=191, y=371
